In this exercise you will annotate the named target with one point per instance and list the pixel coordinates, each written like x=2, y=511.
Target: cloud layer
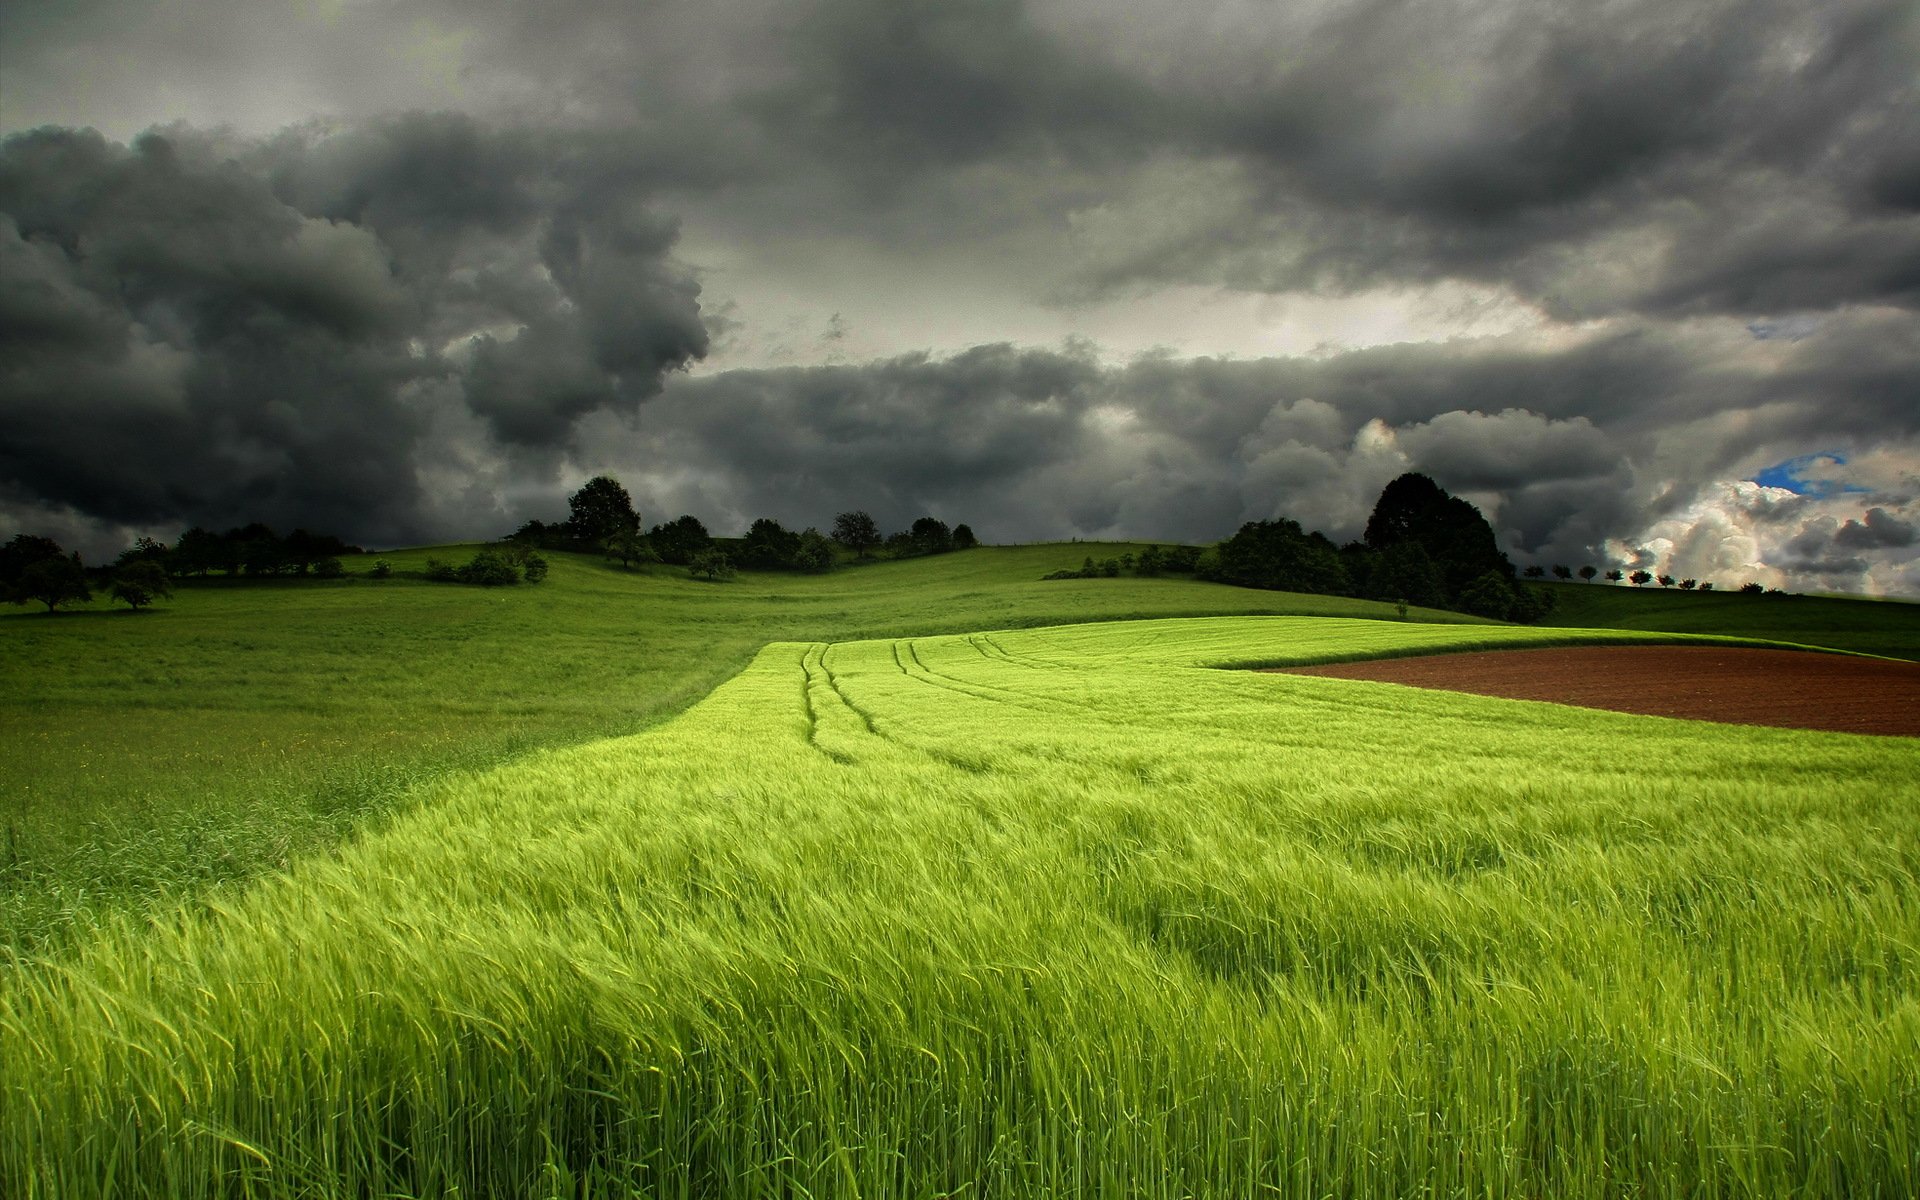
x=412, y=271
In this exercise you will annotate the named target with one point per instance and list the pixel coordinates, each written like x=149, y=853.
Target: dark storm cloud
x=1566, y=450
x=1876, y=529
x=422, y=325
x=203, y=331
x=1744, y=156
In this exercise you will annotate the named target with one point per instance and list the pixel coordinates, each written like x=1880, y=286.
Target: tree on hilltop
x=857, y=532
x=680, y=540
x=1413, y=508
x=600, y=510
x=930, y=535
x=769, y=545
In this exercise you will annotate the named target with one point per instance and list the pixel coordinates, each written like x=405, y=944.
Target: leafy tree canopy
x=769, y=546
x=680, y=540
x=1413, y=508
x=52, y=582
x=1279, y=554
x=140, y=582
x=857, y=532
x=601, y=509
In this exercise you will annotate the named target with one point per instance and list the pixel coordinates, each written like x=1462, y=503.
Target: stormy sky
x=1642, y=280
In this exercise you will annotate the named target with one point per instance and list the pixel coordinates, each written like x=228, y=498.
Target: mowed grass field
x=241, y=728
x=1054, y=911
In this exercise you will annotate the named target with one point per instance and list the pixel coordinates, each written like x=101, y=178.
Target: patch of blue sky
x=1808, y=475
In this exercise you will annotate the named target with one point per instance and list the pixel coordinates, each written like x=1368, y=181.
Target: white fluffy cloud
x=1738, y=531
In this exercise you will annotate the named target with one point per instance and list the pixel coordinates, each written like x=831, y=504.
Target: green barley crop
x=1040, y=912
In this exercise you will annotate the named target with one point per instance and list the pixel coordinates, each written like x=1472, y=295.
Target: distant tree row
x=602, y=520
x=1154, y=560
x=253, y=550
x=1565, y=573
x=1641, y=578
x=1422, y=546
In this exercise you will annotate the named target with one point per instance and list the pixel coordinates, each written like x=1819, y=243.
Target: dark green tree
x=769, y=546
x=1279, y=554
x=52, y=582
x=631, y=546
x=711, y=565
x=963, y=538
x=680, y=540
x=21, y=552
x=857, y=532
x=196, y=552
x=1587, y=573
x=930, y=536
x=599, y=510
x=139, y=583
x=1488, y=596
x=1404, y=572
x=814, y=553
x=1413, y=508
x=304, y=549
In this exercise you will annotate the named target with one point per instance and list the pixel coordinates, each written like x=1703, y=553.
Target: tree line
x=1422, y=546
x=601, y=519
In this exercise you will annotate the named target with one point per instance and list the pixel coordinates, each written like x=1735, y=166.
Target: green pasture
x=1036, y=912
x=1889, y=629
x=243, y=726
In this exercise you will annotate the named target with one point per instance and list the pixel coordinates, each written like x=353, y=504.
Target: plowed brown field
x=1790, y=688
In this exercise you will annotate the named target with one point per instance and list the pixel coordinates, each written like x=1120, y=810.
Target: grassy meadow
x=1890, y=629
x=242, y=727
x=1043, y=911
x=631, y=885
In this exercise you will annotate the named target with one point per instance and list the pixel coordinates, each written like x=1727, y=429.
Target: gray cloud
x=1876, y=529
x=197, y=336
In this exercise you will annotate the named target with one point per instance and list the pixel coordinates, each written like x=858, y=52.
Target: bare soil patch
x=1788, y=688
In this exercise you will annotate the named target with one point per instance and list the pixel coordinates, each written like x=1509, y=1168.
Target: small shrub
x=382, y=569
x=328, y=568
x=489, y=568
x=534, y=569
x=710, y=565
x=441, y=572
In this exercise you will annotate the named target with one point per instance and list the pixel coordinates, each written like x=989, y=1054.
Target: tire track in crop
x=1031, y=662
x=808, y=680
x=833, y=681
x=928, y=675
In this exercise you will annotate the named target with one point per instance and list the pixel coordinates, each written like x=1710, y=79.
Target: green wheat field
x=925, y=879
